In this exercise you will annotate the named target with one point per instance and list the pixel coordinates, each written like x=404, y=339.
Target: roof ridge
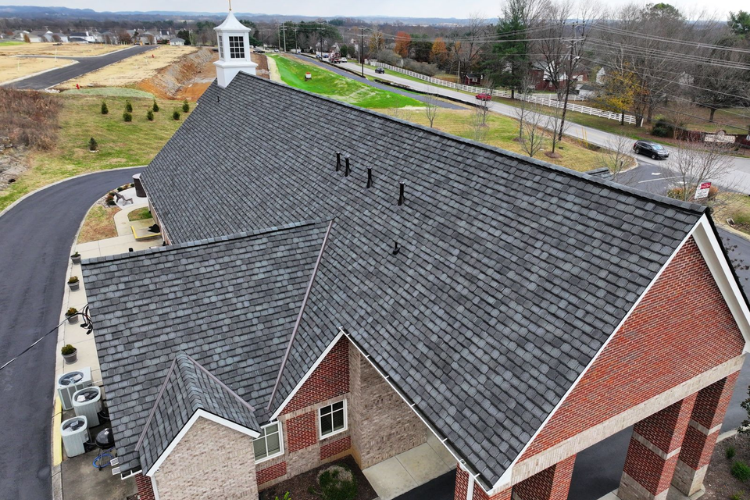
x=531, y=161
x=206, y=241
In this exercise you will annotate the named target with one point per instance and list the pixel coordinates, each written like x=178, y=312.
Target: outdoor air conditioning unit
x=71, y=382
x=74, y=434
x=87, y=403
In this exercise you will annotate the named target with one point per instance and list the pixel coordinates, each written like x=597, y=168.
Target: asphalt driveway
x=85, y=65
x=35, y=240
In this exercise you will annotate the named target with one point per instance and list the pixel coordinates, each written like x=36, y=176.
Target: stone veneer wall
x=211, y=461
x=382, y=424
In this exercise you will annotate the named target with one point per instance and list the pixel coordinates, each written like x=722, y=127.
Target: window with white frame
x=236, y=47
x=270, y=443
x=332, y=419
x=221, y=47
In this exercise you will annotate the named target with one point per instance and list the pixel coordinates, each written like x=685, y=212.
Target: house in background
x=405, y=296
x=542, y=76
x=176, y=41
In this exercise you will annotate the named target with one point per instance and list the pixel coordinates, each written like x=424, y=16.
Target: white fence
x=541, y=99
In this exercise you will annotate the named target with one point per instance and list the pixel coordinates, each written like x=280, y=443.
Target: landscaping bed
x=299, y=486
x=720, y=484
x=733, y=206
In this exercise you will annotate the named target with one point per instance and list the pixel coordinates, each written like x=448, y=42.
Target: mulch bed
x=298, y=486
x=719, y=482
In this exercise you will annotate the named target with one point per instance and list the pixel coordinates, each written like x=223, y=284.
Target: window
x=221, y=47
x=333, y=419
x=269, y=443
x=236, y=47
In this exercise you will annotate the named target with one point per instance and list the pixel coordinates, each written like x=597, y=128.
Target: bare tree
x=430, y=108
x=478, y=123
x=616, y=156
x=533, y=133
x=523, y=108
x=697, y=162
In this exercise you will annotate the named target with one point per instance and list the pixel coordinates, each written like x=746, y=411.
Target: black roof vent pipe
x=347, y=169
x=401, y=193
x=369, y=177
x=338, y=161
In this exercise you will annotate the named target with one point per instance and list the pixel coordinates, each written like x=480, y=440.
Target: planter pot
x=70, y=358
x=74, y=286
x=76, y=259
x=73, y=319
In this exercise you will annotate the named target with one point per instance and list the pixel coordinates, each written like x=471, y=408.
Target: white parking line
x=659, y=179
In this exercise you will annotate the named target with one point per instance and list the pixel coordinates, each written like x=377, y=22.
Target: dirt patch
x=66, y=49
x=720, y=484
x=298, y=485
x=262, y=61
x=187, y=78
x=13, y=163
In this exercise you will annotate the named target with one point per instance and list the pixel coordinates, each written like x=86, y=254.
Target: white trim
x=281, y=444
x=321, y=437
x=505, y=480
x=198, y=414
x=470, y=485
x=307, y=376
x=154, y=488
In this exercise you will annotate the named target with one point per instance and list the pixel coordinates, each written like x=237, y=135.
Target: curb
x=73, y=61
x=19, y=200
x=732, y=230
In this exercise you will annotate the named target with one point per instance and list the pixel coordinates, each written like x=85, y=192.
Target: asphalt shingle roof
x=229, y=303
x=511, y=273
x=187, y=389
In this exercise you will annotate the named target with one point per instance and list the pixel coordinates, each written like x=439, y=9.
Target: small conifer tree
x=105, y=109
x=93, y=146
x=185, y=106
x=155, y=107
x=176, y=115
x=128, y=107
x=127, y=117
x=150, y=115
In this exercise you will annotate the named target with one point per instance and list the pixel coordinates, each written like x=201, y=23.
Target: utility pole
x=296, y=41
x=568, y=80
x=283, y=28
x=362, y=49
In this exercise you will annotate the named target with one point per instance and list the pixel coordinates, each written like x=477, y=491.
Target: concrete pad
x=91, y=245
x=442, y=452
x=82, y=481
x=389, y=479
x=423, y=463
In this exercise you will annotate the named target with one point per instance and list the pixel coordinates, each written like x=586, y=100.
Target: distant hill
x=27, y=12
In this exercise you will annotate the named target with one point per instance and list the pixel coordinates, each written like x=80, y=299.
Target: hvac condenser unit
x=74, y=433
x=71, y=382
x=87, y=403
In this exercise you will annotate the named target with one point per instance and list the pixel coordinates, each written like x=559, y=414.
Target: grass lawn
x=735, y=206
x=8, y=43
x=140, y=214
x=344, y=89
x=111, y=92
x=121, y=144
x=501, y=131
x=99, y=224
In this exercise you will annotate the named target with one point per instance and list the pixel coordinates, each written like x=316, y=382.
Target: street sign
x=702, y=191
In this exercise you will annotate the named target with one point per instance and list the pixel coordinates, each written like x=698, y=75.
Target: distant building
x=176, y=41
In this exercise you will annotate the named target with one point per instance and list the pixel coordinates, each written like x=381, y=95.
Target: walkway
x=405, y=472
x=738, y=179
x=37, y=235
x=85, y=65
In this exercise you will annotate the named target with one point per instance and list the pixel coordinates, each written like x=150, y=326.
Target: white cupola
x=234, y=50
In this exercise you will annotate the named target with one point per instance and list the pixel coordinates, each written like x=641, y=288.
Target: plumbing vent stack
x=369, y=177
x=338, y=161
x=401, y=193
x=348, y=169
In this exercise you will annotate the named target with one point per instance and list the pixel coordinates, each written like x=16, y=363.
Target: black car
x=655, y=151
x=379, y=71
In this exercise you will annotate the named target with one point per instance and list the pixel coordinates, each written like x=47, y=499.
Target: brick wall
x=270, y=473
x=462, y=483
x=329, y=380
x=211, y=461
x=552, y=483
x=335, y=447
x=301, y=431
x=383, y=424
x=145, y=490
x=680, y=329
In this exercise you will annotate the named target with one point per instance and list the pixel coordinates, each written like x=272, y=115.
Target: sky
x=327, y=8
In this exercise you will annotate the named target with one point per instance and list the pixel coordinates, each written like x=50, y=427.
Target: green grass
x=111, y=92
x=8, y=43
x=501, y=132
x=338, y=87
x=140, y=214
x=120, y=144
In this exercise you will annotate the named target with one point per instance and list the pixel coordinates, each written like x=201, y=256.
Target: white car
x=342, y=60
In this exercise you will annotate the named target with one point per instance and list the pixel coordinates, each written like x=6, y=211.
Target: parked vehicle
x=380, y=71
x=484, y=97
x=651, y=149
x=343, y=60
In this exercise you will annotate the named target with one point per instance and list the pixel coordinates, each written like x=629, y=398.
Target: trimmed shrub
x=67, y=349
x=93, y=146
x=663, y=128
x=741, y=470
x=128, y=107
x=150, y=115
x=175, y=115
x=337, y=483
x=736, y=496
x=185, y=106
x=127, y=117
x=105, y=109
x=155, y=107
x=731, y=452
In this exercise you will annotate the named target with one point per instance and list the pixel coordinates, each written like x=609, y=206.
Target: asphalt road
x=348, y=74
x=85, y=65
x=35, y=240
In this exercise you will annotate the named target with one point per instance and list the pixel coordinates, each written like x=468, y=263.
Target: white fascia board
x=710, y=249
x=506, y=479
x=307, y=376
x=198, y=414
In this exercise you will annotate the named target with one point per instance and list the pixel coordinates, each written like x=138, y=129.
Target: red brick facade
x=668, y=335
x=270, y=473
x=335, y=447
x=145, y=488
x=462, y=483
x=301, y=431
x=330, y=379
x=651, y=463
x=552, y=483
